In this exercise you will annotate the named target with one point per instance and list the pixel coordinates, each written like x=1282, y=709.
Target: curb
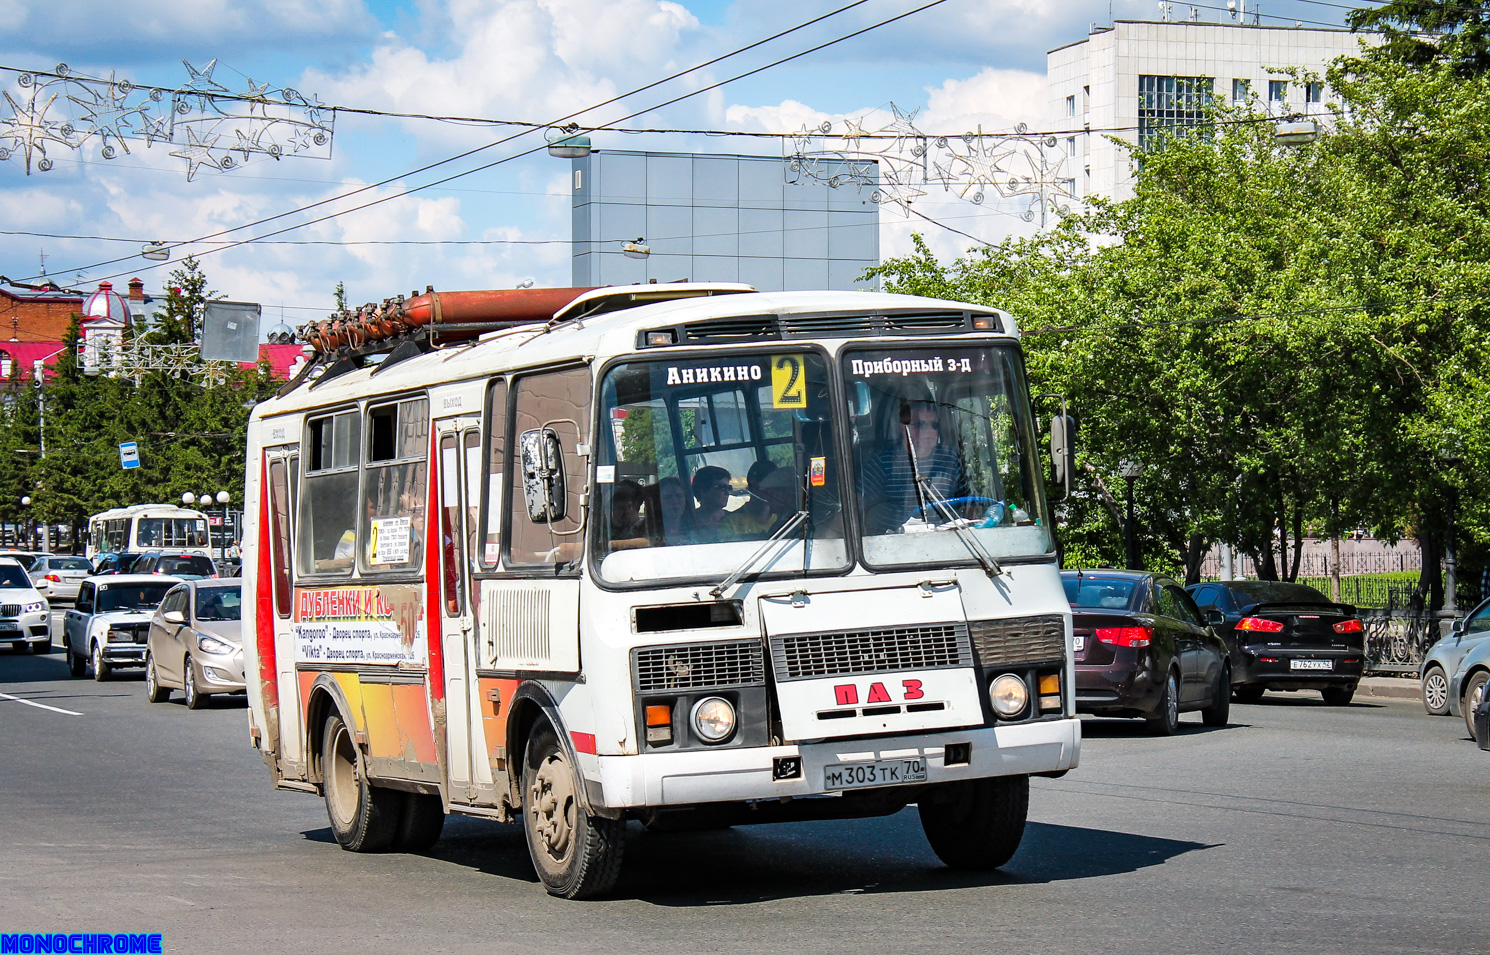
x=1390, y=688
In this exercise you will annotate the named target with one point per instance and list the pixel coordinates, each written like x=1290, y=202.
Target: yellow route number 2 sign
x=788, y=387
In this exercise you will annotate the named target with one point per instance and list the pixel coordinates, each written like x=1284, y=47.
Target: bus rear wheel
x=975, y=824
x=364, y=817
x=576, y=855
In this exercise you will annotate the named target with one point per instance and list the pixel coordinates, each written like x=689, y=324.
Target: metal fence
x=1397, y=640
x=1352, y=564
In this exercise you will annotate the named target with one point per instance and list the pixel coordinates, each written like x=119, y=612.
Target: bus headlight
x=713, y=719
x=1009, y=695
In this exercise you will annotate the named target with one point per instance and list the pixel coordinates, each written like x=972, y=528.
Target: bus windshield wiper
x=782, y=531
x=959, y=526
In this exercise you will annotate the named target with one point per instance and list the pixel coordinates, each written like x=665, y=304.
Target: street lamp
x=26, y=502
x=1130, y=469
x=1450, y=454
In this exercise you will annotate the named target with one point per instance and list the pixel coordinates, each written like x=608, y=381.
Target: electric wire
x=473, y=151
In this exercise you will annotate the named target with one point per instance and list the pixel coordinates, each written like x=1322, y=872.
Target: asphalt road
x=1299, y=828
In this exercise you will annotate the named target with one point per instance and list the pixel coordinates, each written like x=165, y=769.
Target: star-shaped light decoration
x=29, y=129
x=110, y=113
x=197, y=154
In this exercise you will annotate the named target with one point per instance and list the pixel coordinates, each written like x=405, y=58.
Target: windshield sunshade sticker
x=378, y=625
x=906, y=367
x=712, y=373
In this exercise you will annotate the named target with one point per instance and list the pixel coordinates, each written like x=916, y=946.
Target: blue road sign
x=129, y=455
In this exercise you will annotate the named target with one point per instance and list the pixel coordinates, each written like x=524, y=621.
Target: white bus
x=143, y=527
x=665, y=554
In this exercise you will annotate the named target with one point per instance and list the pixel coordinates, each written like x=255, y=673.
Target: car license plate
x=1310, y=665
x=1079, y=644
x=882, y=772
x=8, y=625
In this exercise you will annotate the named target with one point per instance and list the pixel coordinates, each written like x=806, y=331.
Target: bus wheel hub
x=552, y=799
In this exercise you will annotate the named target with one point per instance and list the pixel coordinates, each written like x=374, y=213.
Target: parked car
x=118, y=562
x=183, y=566
x=1283, y=636
x=58, y=577
x=23, y=557
x=1481, y=723
x=1444, y=656
x=1467, y=684
x=25, y=617
x=195, y=644
x=108, y=625
x=1143, y=649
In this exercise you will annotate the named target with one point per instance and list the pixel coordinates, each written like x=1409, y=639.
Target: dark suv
x=1284, y=636
x=184, y=566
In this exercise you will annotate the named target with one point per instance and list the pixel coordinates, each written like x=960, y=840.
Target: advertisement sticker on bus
x=374, y=625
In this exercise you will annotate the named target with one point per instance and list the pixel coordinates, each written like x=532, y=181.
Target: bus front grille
x=1019, y=640
x=687, y=666
x=807, y=656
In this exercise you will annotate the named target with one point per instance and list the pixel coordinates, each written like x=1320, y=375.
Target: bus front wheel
x=975, y=824
x=575, y=854
x=364, y=817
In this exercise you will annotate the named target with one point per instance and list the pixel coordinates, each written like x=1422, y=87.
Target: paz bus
x=147, y=527
x=685, y=554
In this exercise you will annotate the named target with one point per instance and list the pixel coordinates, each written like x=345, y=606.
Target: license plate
x=9, y=626
x=883, y=772
x=1311, y=665
x=1079, y=644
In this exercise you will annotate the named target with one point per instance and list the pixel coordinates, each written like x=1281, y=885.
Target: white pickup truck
x=110, y=622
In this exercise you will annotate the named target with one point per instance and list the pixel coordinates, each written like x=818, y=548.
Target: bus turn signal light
x=1050, y=683
x=1260, y=625
x=659, y=723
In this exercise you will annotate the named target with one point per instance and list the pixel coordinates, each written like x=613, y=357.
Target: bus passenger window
x=327, y=538
x=393, y=493
x=488, y=530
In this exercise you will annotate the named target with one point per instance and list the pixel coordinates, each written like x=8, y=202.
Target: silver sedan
x=195, y=643
x=58, y=577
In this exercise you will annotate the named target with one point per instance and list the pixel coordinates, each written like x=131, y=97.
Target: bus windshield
x=706, y=459
x=172, y=532
x=944, y=447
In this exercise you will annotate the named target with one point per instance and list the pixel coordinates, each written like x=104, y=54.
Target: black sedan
x=1144, y=649
x=1284, y=636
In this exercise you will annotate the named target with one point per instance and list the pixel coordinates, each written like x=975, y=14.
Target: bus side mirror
x=1062, y=452
x=543, y=475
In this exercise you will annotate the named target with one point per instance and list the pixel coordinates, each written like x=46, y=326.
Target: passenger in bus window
x=627, y=528
x=669, y=514
x=888, y=482
x=753, y=519
x=711, y=490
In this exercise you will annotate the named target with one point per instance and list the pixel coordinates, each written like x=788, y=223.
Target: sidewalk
x=1396, y=687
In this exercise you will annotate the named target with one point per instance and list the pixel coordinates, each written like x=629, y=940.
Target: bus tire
x=576, y=855
x=420, y=823
x=364, y=817
x=975, y=824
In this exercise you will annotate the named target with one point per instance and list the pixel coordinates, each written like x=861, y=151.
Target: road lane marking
x=54, y=709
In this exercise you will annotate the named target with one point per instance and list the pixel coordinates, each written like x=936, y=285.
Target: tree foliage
x=1287, y=339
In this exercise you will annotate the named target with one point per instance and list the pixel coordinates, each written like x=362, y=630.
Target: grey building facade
x=716, y=218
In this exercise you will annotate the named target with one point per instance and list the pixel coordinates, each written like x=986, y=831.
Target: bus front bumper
x=733, y=775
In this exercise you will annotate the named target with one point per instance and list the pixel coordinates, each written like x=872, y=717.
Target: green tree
x=1421, y=33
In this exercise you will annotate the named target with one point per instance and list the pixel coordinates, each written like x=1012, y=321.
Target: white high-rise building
x=1132, y=78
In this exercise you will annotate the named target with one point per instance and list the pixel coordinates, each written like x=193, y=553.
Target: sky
x=960, y=64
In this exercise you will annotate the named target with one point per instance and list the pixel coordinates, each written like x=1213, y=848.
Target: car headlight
x=37, y=607
x=213, y=645
x=1009, y=695
x=713, y=719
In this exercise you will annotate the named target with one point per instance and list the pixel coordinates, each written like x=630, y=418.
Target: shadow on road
x=751, y=864
x=1094, y=728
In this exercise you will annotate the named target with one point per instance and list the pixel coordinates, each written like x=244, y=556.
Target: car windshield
x=942, y=439
x=185, y=566
x=219, y=603
x=706, y=458
x=1253, y=593
x=70, y=563
x=1098, y=593
x=131, y=596
x=11, y=575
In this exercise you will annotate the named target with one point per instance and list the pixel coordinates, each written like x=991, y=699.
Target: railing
x=1397, y=640
x=1352, y=564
